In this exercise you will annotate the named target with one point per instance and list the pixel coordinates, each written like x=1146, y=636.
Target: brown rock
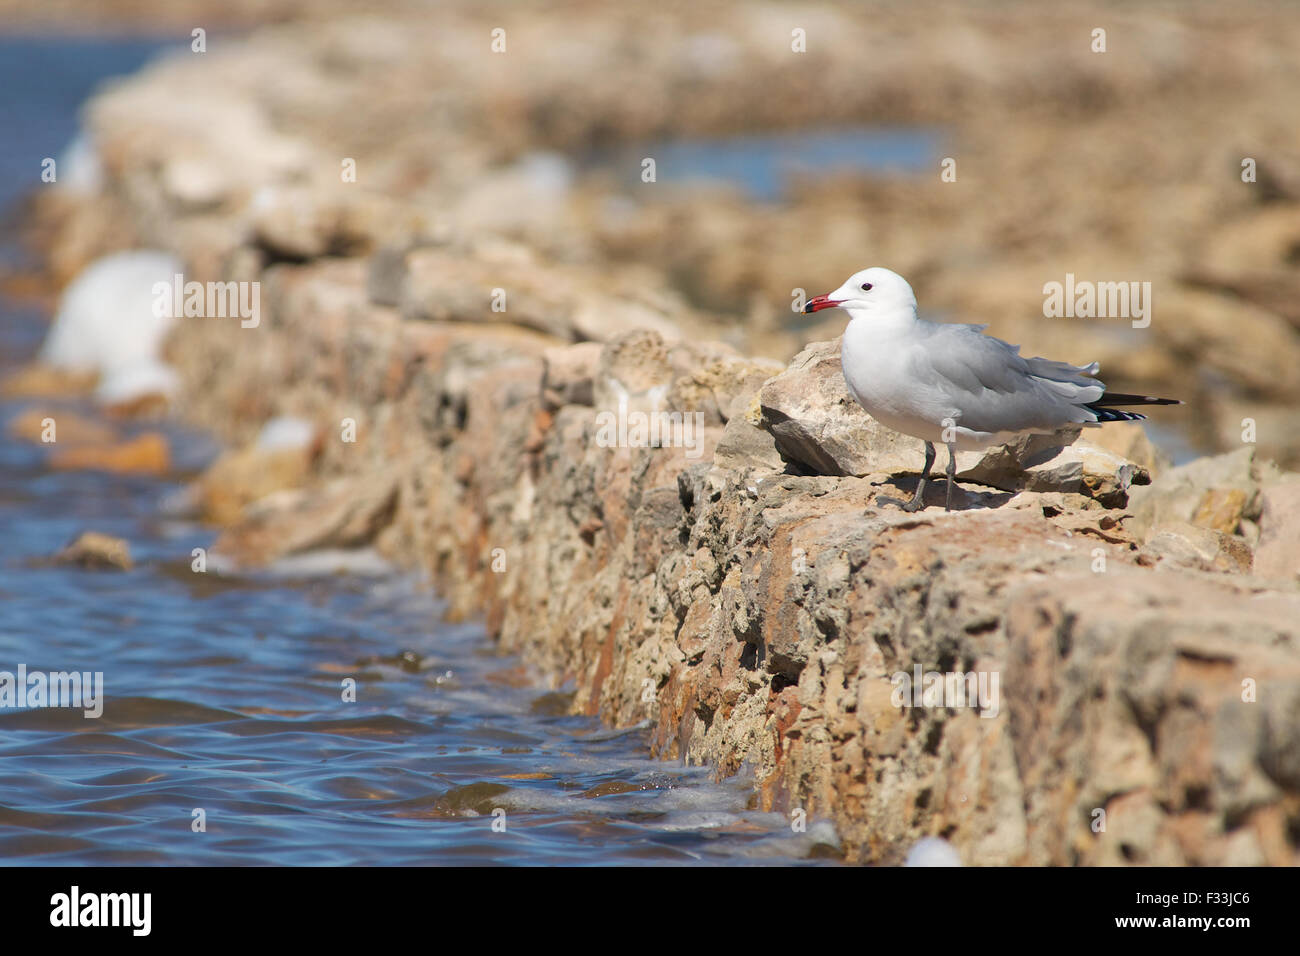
x=304, y=223
x=45, y=381
x=1221, y=509
x=1054, y=463
x=66, y=427
x=503, y=282
x=1278, y=553
x=241, y=476
x=1177, y=495
x=1203, y=548
x=722, y=387
x=346, y=514
x=634, y=372
x=194, y=184
x=570, y=373
x=146, y=454
x=746, y=446
x=95, y=550
x=820, y=428
x=1129, y=441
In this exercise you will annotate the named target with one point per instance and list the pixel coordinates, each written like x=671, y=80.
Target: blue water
x=224, y=694
x=764, y=165
x=43, y=83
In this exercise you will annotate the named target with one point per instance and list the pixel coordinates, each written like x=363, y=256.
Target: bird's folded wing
x=985, y=385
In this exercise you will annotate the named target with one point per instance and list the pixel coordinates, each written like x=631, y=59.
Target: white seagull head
x=873, y=291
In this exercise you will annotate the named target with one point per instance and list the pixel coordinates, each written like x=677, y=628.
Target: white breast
x=874, y=360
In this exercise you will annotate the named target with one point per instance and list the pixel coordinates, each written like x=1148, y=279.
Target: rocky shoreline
x=737, y=587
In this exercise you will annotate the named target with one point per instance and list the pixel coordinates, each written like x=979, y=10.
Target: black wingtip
x=1116, y=415
x=1111, y=399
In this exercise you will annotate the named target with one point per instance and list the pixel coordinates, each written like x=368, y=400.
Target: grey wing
x=991, y=388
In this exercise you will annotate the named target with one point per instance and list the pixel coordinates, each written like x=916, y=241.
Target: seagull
x=952, y=383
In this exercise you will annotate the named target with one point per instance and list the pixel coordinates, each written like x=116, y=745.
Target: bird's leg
x=916, y=504
x=952, y=473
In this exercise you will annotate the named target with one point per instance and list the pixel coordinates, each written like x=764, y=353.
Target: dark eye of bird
x=866, y=287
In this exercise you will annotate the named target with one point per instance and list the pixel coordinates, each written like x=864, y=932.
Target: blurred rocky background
x=774, y=169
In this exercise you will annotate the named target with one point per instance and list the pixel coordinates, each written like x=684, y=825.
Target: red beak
x=819, y=302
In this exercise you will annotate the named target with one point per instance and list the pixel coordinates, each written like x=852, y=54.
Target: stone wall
x=756, y=618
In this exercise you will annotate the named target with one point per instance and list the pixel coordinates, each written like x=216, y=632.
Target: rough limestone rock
x=38, y=380
x=1130, y=441
x=1059, y=462
x=95, y=550
x=1278, y=552
x=347, y=513
x=145, y=454
x=1208, y=489
x=1205, y=549
x=722, y=386
x=40, y=424
x=745, y=446
x=299, y=223
x=570, y=373
x=635, y=371
x=1221, y=509
x=242, y=476
x=503, y=282
x=194, y=184
x=820, y=429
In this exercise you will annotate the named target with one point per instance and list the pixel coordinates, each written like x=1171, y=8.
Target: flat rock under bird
x=952, y=383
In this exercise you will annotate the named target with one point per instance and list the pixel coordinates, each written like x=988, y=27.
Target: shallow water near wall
x=223, y=697
x=223, y=703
